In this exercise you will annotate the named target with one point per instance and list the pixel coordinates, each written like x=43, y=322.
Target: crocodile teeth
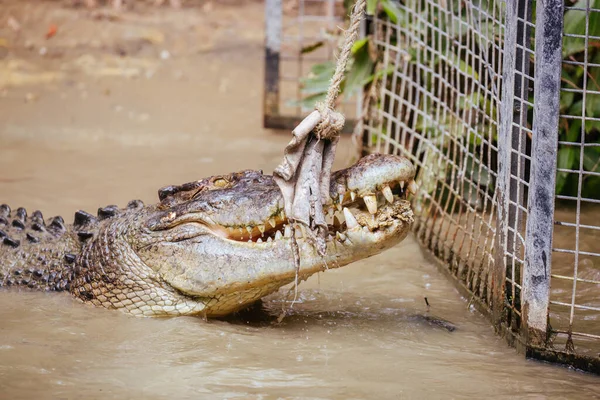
x=387, y=192
x=338, y=206
x=270, y=239
x=259, y=240
x=340, y=236
x=278, y=235
x=371, y=202
x=272, y=222
x=401, y=184
x=352, y=195
x=412, y=187
x=288, y=231
x=341, y=199
x=336, y=221
x=261, y=228
x=351, y=222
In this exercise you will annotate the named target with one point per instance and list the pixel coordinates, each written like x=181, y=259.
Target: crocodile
x=210, y=247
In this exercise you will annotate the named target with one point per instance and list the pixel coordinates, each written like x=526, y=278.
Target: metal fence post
x=538, y=238
x=511, y=162
x=509, y=112
x=273, y=32
x=503, y=182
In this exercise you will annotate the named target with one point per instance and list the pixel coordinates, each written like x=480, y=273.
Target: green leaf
x=468, y=70
x=566, y=158
x=591, y=159
x=387, y=71
x=592, y=101
x=591, y=126
x=576, y=108
x=379, y=74
x=371, y=7
x=478, y=173
x=575, y=23
x=592, y=105
x=308, y=102
x=471, y=195
x=574, y=131
x=323, y=68
x=359, y=44
x=318, y=79
x=314, y=87
x=591, y=188
x=566, y=99
x=391, y=9
x=360, y=71
x=472, y=100
x=489, y=29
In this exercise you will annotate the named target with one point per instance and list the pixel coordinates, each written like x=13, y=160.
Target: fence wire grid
x=575, y=297
x=475, y=94
x=435, y=109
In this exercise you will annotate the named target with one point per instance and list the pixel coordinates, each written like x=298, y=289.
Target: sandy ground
x=180, y=91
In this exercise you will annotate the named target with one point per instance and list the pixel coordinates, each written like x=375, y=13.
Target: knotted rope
x=304, y=175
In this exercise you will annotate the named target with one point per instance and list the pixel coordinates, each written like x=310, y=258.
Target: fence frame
x=544, y=151
x=533, y=339
x=516, y=37
x=273, y=33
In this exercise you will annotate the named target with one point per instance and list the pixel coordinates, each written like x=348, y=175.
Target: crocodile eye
x=220, y=183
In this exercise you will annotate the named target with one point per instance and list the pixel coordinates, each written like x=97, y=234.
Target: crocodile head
x=214, y=246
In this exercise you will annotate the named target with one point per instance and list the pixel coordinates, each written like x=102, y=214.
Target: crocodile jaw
x=250, y=271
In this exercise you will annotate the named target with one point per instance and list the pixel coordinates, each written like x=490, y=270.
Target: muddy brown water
x=357, y=332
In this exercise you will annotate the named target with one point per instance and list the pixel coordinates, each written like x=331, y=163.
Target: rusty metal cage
x=299, y=34
x=498, y=105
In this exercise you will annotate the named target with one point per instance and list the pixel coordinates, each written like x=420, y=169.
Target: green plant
x=362, y=70
x=571, y=103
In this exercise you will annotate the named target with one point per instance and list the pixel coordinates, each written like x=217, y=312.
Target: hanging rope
x=305, y=172
x=332, y=122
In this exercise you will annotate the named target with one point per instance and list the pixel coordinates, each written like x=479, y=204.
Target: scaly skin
x=210, y=247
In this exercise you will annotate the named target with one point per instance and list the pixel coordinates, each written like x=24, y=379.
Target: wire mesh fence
x=439, y=106
x=499, y=108
x=299, y=35
x=575, y=297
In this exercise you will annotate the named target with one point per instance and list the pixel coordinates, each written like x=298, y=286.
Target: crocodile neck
x=35, y=253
